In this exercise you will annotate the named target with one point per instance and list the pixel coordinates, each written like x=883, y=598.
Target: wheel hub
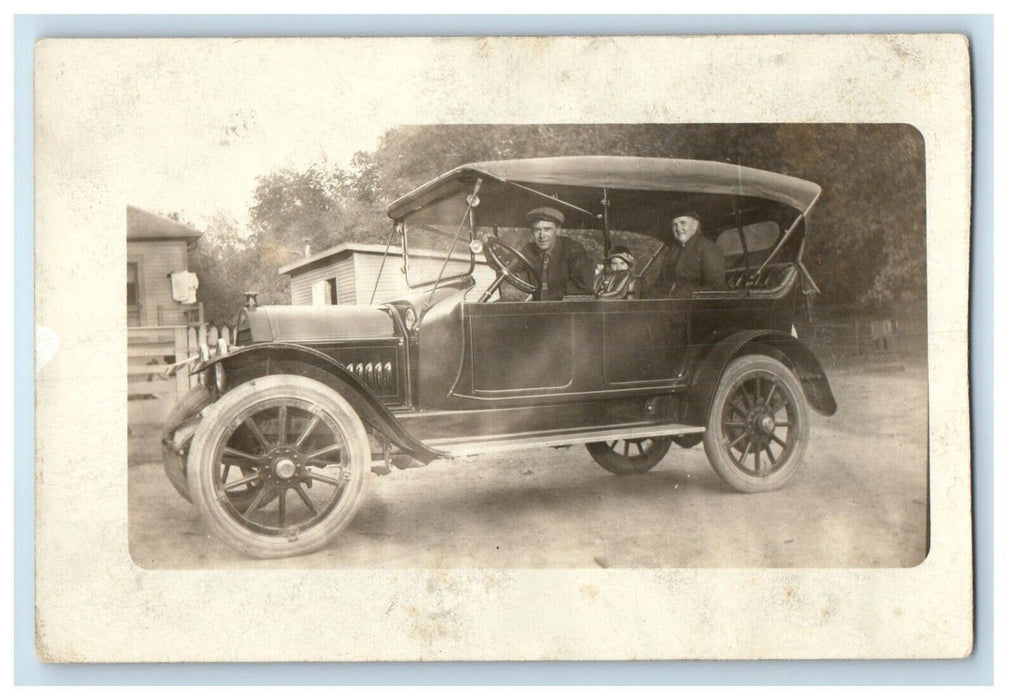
x=284, y=463
x=285, y=468
x=760, y=426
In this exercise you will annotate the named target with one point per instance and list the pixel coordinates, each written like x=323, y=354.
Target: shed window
x=132, y=284
x=320, y=293
x=333, y=289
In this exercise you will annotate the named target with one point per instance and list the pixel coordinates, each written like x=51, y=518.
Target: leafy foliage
x=226, y=266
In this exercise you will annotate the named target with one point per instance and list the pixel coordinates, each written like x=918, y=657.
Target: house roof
x=350, y=248
x=143, y=225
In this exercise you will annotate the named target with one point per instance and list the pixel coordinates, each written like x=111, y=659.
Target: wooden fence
x=159, y=360
x=877, y=338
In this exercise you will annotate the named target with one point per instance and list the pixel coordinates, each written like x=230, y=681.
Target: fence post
x=856, y=334
x=191, y=341
x=180, y=349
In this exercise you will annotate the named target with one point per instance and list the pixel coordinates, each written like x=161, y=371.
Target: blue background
x=977, y=669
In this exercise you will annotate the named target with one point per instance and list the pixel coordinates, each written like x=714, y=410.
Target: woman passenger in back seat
x=693, y=261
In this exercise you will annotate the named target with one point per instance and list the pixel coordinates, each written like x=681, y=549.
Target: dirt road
x=858, y=500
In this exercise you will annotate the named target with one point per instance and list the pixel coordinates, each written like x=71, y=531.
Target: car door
x=520, y=348
x=572, y=349
x=645, y=342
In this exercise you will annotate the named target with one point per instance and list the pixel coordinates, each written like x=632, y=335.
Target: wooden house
x=157, y=247
x=347, y=273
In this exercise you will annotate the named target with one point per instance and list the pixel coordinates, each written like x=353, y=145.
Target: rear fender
x=776, y=344
x=261, y=360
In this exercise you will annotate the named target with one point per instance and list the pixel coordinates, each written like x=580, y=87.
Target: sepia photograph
x=502, y=348
x=600, y=345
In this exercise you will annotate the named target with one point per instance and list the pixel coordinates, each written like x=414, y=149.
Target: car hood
x=303, y=324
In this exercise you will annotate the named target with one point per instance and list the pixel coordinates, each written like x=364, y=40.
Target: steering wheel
x=507, y=261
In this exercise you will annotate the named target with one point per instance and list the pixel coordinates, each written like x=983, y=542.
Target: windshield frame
x=471, y=201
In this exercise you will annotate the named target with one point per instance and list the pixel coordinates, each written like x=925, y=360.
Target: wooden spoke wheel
x=635, y=456
x=758, y=426
x=278, y=466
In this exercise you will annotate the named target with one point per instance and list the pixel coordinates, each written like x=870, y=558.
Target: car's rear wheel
x=297, y=452
x=758, y=427
x=635, y=456
x=687, y=440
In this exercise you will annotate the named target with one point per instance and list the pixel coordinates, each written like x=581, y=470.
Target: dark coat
x=699, y=264
x=567, y=269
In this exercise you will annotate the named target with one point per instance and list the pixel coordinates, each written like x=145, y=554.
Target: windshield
x=437, y=241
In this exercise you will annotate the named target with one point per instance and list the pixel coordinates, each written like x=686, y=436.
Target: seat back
x=773, y=279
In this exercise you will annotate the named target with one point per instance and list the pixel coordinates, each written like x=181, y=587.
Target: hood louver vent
x=379, y=376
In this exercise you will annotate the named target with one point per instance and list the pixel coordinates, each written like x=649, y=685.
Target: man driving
x=694, y=262
x=562, y=264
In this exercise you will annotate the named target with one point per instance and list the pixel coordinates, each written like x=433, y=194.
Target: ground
x=858, y=500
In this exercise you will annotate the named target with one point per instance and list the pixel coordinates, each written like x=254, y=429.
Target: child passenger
x=616, y=280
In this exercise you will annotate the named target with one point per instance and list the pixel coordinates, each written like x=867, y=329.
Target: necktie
x=542, y=272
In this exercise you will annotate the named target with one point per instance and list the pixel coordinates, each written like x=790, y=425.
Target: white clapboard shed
x=346, y=274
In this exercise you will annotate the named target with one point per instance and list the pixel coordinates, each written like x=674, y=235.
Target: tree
x=226, y=266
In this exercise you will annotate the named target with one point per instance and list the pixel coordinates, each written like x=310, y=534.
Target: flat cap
x=545, y=214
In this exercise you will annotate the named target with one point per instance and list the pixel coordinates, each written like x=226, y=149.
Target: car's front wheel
x=635, y=456
x=757, y=428
x=180, y=427
x=297, y=451
x=179, y=430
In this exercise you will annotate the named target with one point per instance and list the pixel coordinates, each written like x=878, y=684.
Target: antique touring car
x=276, y=446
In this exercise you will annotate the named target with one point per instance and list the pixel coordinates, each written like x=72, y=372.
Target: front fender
x=782, y=346
x=260, y=360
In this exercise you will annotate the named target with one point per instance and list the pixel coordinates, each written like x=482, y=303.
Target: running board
x=461, y=447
